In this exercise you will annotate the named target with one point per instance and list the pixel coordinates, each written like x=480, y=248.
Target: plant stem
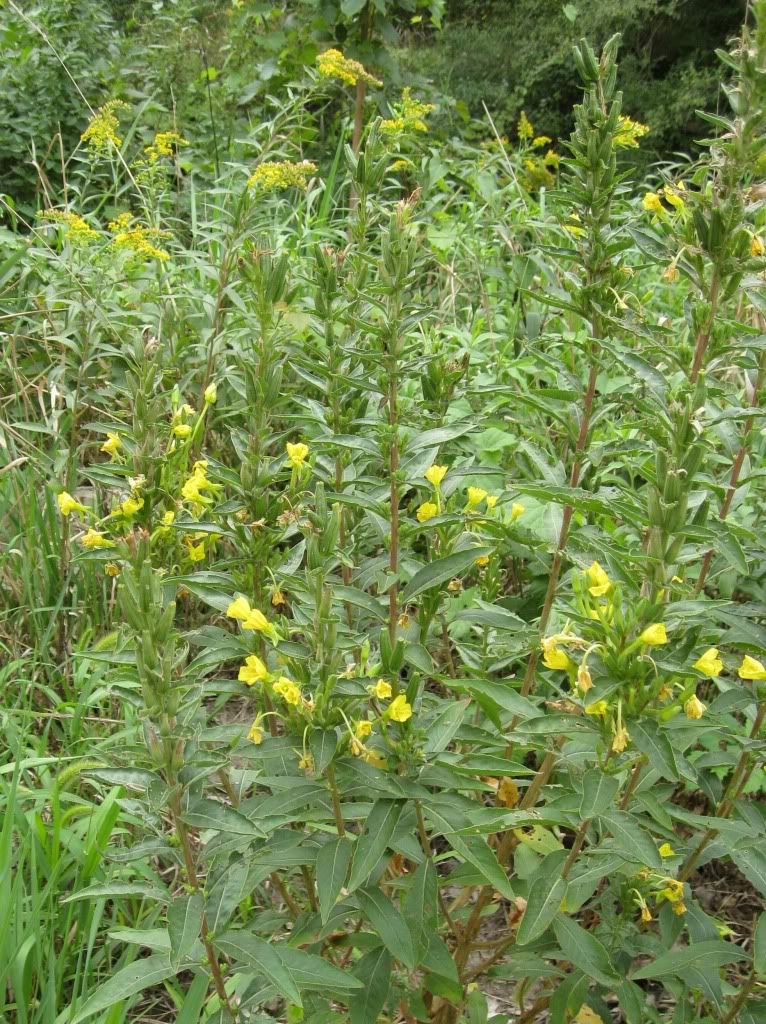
x=393, y=468
x=336, y=809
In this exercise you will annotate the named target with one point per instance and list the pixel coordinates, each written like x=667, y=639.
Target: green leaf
x=374, y=972
x=312, y=972
x=372, y=843
x=704, y=956
x=421, y=905
x=332, y=864
x=631, y=840
x=442, y=728
x=584, y=950
x=352, y=7
x=752, y=863
x=184, y=925
x=388, y=923
x=262, y=957
x=598, y=793
x=128, y=981
x=437, y=436
x=543, y=903
x=759, y=946
x=323, y=743
x=205, y=813
x=501, y=694
x=442, y=569
x=472, y=849
x=654, y=742
x=119, y=890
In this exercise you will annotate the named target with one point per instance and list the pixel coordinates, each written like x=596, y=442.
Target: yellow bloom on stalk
x=164, y=145
x=137, y=239
x=253, y=671
x=756, y=246
x=256, y=732
x=101, y=132
x=524, y=128
x=555, y=658
x=297, y=454
x=67, y=504
x=435, y=474
x=399, y=710
x=673, y=195
x=694, y=707
x=666, y=850
x=751, y=668
x=620, y=739
x=654, y=636
x=181, y=430
x=257, y=622
x=646, y=914
x=362, y=728
x=131, y=505
x=279, y=174
x=599, y=582
x=78, y=229
x=517, y=510
x=112, y=444
x=552, y=159
x=93, y=539
x=476, y=496
x=408, y=116
x=653, y=203
x=670, y=273
x=197, y=483
x=709, y=664
x=168, y=518
x=288, y=690
x=211, y=394
x=382, y=689
x=673, y=891
x=196, y=551
x=492, y=500
x=426, y=511
x=332, y=64
x=239, y=609
x=599, y=707
x=584, y=679
x=112, y=569
x=629, y=132
x=481, y=561
x=541, y=140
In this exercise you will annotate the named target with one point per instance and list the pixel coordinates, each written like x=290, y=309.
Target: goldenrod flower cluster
x=101, y=132
x=165, y=145
x=524, y=128
x=332, y=64
x=136, y=239
x=78, y=230
x=279, y=174
x=629, y=132
x=409, y=114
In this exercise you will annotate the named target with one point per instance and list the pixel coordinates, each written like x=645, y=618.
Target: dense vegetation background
x=212, y=64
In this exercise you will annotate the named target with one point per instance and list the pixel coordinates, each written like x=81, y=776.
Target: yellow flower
x=373, y=758
x=673, y=891
x=137, y=239
x=694, y=707
x=517, y=510
x=653, y=203
x=382, y=689
x=101, y=132
x=620, y=739
x=112, y=444
x=278, y=174
x=362, y=728
x=709, y=664
x=332, y=64
x=253, y=671
x=666, y=850
x=112, y=569
x=476, y=496
x=599, y=707
x=197, y=483
x=646, y=914
x=756, y=246
x=287, y=689
x=239, y=609
x=670, y=273
x=79, y=231
x=541, y=140
x=674, y=197
x=751, y=668
x=93, y=539
x=524, y=128
x=584, y=680
x=426, y=511
x=181, y=430
x=277, y=598
x=507, y=792
x=165, y=144
x=211, y=394
x=654, y=636
x=629, y=132
x=196, y=551
x=257, y=621
x=492, y=500
x=599, y=582
x=256, y=732
x=131, y=505
x=67, y=504
x=297, y=454
x=408, y=116
x=482, y=561
x=554, y=657
x=399, y=710
x=168, y=518
x=679, y=908
x=552, y=158
x=435, y=474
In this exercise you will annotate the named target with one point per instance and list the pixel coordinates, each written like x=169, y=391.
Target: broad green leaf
x=543, y=904
x=654, y=742
x=332, y=864
x=323, y=743
x=372, y=843
x=631, y=840
x=388, y=923
x=584, y=950
x=128, y=981
x=704, y=956
x=212, y=814
x=119, y=890
x=184, y=925
x=440, y=570
x=598, y=793
x=374, y=973
x=752, y=863
x=421, y=905
x=262, y=957
x=442, y=728
x=314, y=973
x=438, y=435
x=759, y=945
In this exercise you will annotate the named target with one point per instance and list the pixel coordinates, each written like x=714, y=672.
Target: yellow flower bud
x=435, y=474
x=654, y=636
x=211, y=394
x=620, y=740
x=112, y=444
x=362, y=728
x=239, y=609
x=517, y=509
x=599, y=708
x=426, y=511
x=93, y=539
x=556, y=658
x=694, y=707
x=709, y=664
x=584, y=680
x=399, y=709
x=297, y=454
x=666, y=850
x=256, y=732
x=67, y=504
x=598, y=581
x=476, y=496
x=751, y=668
